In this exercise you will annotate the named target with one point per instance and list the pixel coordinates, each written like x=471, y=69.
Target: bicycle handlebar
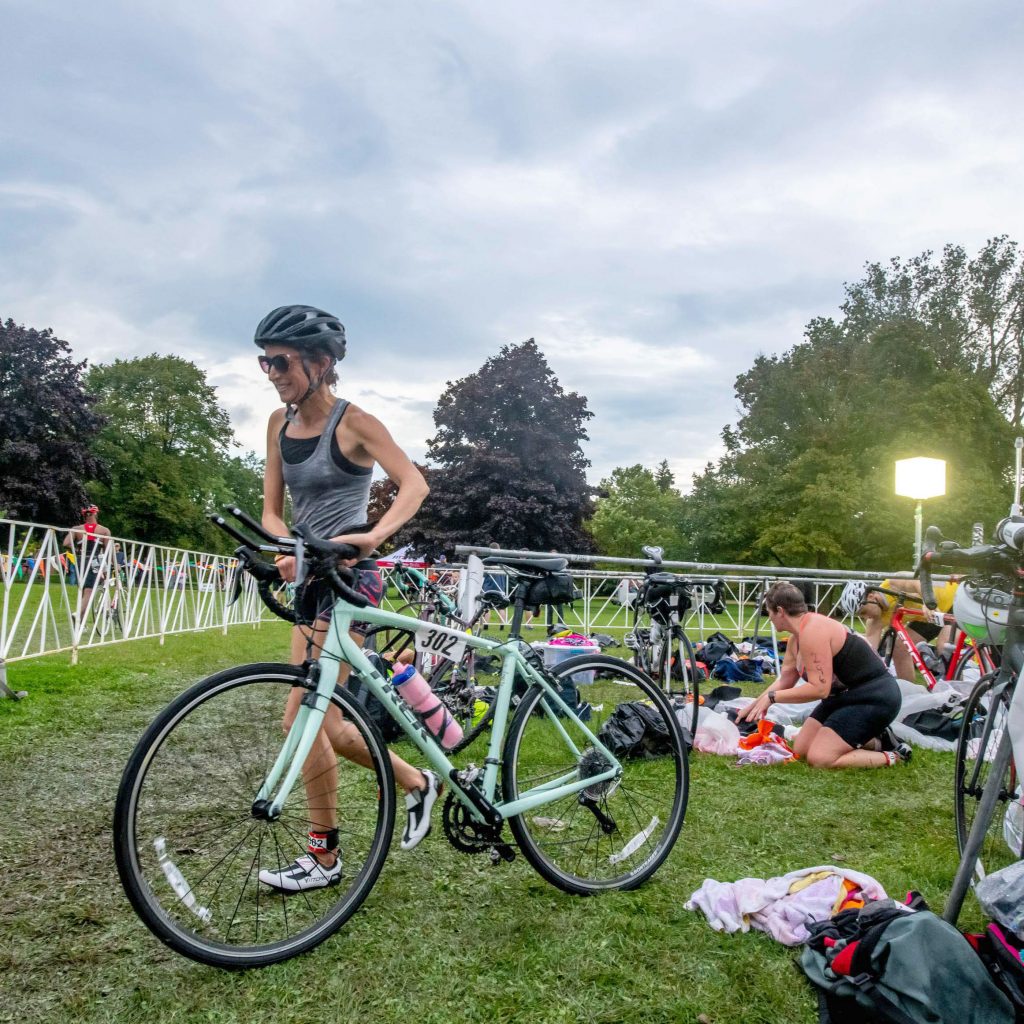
x=994, y=559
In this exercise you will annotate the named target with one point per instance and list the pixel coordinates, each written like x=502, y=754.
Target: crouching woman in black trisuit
x=825, y=661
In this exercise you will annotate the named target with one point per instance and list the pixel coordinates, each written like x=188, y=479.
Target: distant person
x=88, y=543
x=829, y=663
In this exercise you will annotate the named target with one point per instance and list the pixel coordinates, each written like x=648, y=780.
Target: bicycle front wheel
x=190, y=850
x=982, y=729
x=616, y=833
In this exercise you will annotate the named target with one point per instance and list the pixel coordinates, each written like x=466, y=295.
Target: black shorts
x=862, y=712
x=925, y=630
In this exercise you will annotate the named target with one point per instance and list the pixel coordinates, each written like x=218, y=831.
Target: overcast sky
x=657, y=192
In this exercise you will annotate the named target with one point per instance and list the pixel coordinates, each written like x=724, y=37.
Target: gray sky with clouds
x=656, y=191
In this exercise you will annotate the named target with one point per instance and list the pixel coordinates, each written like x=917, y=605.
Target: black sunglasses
x=281, y=363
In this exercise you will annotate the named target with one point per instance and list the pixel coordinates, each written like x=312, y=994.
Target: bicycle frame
x=339, y=647
x=963, y=648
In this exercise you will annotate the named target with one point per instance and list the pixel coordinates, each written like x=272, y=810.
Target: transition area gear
x=302, y=327
x=982, y=612
x=852, y=597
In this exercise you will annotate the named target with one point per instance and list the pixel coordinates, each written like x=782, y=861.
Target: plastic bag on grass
x=715, y=734
x=1001, y=896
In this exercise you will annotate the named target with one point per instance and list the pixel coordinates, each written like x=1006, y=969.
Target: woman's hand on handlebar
x=366, y=542
x=286, y=567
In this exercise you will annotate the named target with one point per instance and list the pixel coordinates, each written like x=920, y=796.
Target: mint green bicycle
x=214, y=793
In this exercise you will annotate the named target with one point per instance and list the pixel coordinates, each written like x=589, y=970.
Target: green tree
x=509, y=468
x=972, y=310
x=241, y=482
x=636, y=508
x=807, y=478
x=166, y=443
x=47, y=422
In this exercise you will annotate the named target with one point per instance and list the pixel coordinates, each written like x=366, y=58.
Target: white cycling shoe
x=304, y=874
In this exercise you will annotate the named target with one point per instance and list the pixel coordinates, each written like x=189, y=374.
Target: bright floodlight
x=920, y=478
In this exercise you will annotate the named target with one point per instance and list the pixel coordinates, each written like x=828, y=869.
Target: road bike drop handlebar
x=1000, y=559
x=314, y=555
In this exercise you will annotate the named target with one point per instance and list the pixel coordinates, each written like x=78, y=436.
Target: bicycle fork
x=298, y=742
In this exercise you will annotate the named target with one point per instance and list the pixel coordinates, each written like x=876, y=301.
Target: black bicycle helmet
x=303, y=327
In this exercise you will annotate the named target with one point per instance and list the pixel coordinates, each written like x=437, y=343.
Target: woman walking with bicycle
x=827, y=662
x=322, y=449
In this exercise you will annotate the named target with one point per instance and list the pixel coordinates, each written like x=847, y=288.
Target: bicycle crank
x=468, y=835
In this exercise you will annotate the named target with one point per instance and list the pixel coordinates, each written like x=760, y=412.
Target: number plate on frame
x=440, y=644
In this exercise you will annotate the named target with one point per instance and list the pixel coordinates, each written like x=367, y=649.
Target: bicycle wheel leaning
x=982, y=729
x=617, y=833
x=189, y=850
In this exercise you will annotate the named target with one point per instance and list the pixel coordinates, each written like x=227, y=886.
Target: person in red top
x=88, y=541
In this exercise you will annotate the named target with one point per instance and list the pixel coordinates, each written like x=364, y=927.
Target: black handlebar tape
x=345, y=591
x=925, y=570
x=231, y=530
x=323, y=546
x=280, y=610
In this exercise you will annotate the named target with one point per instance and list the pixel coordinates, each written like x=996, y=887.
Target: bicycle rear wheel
x=190, y=851
x=982, y=729
x=617, y=833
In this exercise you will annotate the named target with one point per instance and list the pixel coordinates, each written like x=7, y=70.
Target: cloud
x=657, y=192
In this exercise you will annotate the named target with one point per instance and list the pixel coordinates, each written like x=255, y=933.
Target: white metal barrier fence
x=148, y=591
x=137, y=590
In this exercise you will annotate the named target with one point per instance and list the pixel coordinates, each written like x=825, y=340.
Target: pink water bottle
x=416, y=692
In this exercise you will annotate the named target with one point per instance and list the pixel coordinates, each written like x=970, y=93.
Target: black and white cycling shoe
x=305, y=874
x=419, y=804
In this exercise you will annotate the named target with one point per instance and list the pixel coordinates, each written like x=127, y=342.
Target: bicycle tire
x=646, y=804
x=973, y=755
x=186, y=797
x=887, y=646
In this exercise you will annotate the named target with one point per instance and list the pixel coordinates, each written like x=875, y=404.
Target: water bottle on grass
x=416, y=692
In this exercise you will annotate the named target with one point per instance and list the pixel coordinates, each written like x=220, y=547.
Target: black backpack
x=355, y=685
x=635, y=730
x=899, y=963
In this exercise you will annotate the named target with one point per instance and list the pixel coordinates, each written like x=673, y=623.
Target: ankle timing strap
x=323, y=842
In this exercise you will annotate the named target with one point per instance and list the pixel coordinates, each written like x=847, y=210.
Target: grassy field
x=443, y=936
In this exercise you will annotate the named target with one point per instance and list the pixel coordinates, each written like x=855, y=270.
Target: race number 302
x=440, y=644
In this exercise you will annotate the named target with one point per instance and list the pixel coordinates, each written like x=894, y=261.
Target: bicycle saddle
x=528, y=564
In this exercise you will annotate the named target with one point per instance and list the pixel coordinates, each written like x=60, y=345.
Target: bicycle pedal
x=500, y=853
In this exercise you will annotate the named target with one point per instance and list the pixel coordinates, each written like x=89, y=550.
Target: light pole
x=919, y=479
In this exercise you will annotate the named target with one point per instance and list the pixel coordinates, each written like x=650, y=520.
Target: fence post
x=5, y=690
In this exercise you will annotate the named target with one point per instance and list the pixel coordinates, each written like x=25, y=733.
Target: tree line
x=145, y=439
x=926, y=357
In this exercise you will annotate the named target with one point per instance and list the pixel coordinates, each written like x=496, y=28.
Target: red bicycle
x=965, y=651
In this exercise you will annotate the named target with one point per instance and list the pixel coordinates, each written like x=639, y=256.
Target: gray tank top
x=324, y=496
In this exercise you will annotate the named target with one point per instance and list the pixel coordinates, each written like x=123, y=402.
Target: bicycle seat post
x=518, y=608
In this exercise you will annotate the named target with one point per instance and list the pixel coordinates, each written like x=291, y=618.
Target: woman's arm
x=273, y=494
x=273, y=480
x=817, y=658
x=374, y=439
